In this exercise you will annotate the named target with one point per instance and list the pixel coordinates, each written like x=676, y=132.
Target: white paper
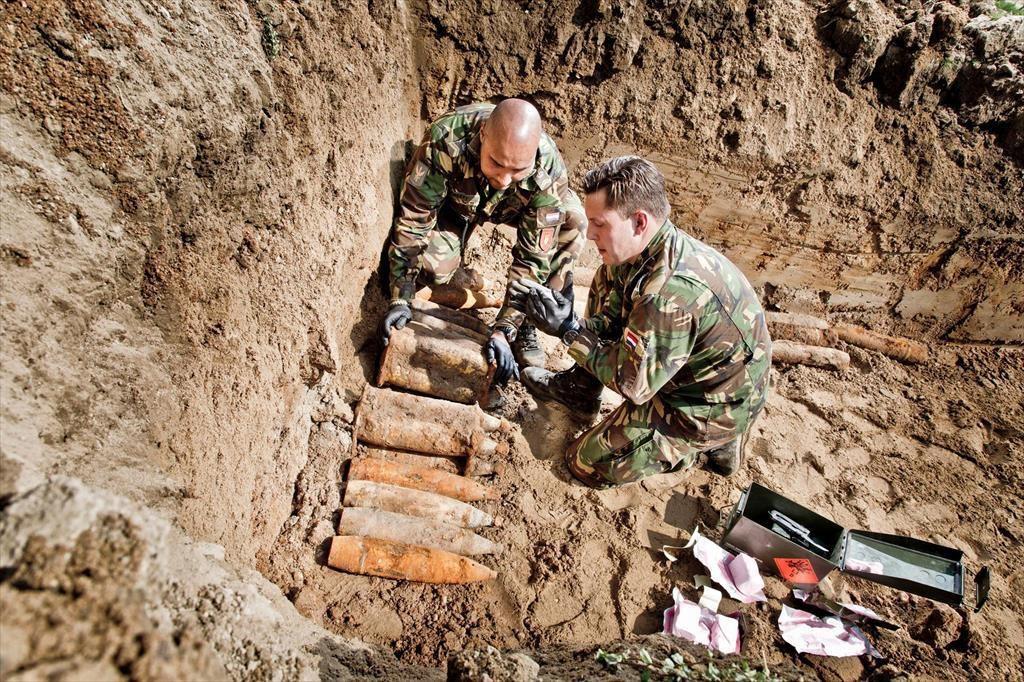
x=699, y=625
x=737, y=574
x=874, y=567
x=809, y=634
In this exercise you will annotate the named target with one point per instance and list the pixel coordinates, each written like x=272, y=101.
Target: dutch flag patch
x=631, y=338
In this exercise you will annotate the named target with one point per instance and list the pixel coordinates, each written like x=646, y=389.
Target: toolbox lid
x=922, y=568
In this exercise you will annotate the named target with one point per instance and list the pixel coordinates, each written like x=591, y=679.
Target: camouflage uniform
x=680, y=334
x=445, y=196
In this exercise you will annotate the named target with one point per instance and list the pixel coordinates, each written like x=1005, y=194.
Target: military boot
x=726, y=460
x=526, y=348
x=576, y=388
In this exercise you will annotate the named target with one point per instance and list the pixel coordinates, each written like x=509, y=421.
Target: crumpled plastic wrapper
x=809, y=634
x=738, y=574
x=700, y=625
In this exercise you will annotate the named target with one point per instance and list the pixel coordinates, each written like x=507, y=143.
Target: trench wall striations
x=194, y=201
x=830, y=149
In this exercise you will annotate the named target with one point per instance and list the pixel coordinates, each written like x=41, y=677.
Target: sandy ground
x=885, y=447
x=193, y=201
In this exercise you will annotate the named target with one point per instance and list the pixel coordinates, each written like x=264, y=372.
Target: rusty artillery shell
x=384, y=525
x=459, y=297
x=896, y=347
x=410, y=502
x=441, y=325
x=420, y=478
x=418, y=459
x=791, y=353
x=368, y=556
x=436, y=363
x=800, y=328
x=451, y=315
x=403, y=421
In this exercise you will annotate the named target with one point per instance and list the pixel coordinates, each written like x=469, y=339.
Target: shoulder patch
x=418, y=174
x=550, y=216
x=547, y=239
x=634, y=342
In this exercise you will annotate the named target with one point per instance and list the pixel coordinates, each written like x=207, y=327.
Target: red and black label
x=797, y=571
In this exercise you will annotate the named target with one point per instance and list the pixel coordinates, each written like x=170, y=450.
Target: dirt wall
x=189, y=227
x=857, y=175
x=194, y=197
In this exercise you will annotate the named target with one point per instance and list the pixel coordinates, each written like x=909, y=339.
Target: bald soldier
x=476, y=164
x=670, y=324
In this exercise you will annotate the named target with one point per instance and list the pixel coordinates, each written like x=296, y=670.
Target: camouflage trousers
x=443, y=254
x=636, y=441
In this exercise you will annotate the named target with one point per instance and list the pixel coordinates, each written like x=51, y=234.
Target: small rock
x=343, y=411
x=846, y=668
x=940, y=628
x=53, y=126
x=100, y=180
x=949, y=21
x=321, y=531
x=490, y=664
x=344, y=440
x=524, y=667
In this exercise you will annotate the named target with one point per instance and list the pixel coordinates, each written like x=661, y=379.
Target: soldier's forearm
x=402, y=273
x=509, y=317
x=599, y=358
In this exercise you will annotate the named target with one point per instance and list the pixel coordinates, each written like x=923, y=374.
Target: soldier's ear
x=639, y=223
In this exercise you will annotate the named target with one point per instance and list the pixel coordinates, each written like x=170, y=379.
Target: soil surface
x=194, y=197
x=887, y=447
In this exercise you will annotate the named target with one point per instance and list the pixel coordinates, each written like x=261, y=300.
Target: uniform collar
x=659, y=238
x=656, y=241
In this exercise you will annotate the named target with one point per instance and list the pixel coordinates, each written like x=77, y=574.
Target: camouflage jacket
x=444, y=174
x=680, y=321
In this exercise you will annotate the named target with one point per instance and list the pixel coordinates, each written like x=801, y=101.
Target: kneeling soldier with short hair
x=671, y=325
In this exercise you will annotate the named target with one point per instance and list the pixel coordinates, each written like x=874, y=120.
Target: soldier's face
x=618, y=238
x=503, y=161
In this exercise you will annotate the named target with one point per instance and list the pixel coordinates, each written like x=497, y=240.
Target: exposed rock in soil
x=491, y=664
x=95, y=587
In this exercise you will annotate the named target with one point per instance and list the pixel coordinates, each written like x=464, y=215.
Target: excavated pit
x=194, y=200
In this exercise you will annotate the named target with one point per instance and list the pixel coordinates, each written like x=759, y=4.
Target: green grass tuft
x=1005, y=7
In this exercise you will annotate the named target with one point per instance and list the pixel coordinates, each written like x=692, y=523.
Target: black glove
x=550, y=311
x=499, y=353
x=396, y=317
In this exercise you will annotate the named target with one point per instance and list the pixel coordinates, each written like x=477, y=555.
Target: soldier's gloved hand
x=499, y=353
x=396, y=318
x=550, y=311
